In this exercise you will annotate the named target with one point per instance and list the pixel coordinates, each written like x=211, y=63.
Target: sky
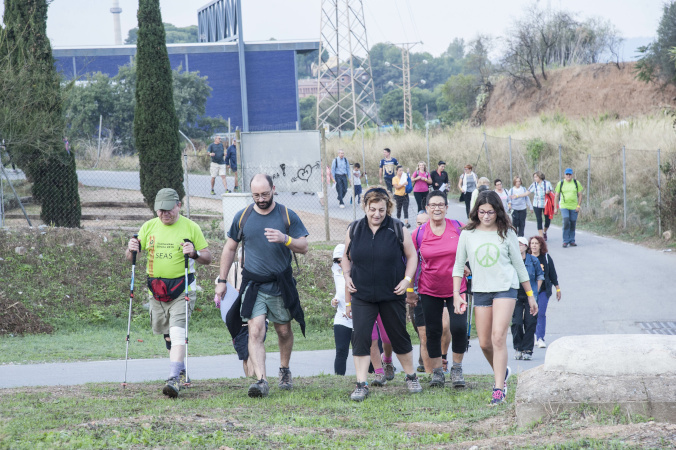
x=434, y=22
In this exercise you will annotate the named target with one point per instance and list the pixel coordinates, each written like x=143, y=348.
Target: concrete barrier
x=636, y=373
x=232, y=203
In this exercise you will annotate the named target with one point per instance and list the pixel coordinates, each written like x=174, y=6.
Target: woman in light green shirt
x=490, y=245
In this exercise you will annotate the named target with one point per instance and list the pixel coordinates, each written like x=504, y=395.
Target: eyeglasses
x=486, y=213
x=262, y=196
x=437, y=206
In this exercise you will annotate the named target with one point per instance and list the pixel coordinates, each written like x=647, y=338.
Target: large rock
x=636, y=373
x=611, y=202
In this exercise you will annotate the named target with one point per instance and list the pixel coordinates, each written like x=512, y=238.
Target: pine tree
x=155, y=122
x=34, y=136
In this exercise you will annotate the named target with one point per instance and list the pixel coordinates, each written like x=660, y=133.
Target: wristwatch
x=221, y=281
x=197, y=252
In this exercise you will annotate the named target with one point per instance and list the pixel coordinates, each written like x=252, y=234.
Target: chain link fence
x=623, y=187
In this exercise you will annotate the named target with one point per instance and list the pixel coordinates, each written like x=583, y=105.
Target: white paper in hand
x=229, y=298
x=443, y=187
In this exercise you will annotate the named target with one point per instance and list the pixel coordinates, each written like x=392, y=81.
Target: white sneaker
x=541, y=343
x=341, y=206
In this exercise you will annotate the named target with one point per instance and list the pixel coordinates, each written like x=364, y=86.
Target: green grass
x=316, y=414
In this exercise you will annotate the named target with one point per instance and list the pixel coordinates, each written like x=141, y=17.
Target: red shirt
x=438, y=258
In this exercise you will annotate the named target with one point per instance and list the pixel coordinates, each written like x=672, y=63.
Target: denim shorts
x=486, y=298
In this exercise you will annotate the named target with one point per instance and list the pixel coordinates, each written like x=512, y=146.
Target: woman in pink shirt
x=421, y=185
x=436, y=242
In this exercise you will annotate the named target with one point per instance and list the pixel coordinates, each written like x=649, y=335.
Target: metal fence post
x=488, y=158
x=324, y=191
x=511, y=172
x=588, y=178
x=659, y=195
x=427, y=138
x=363, y=154
x=624, y=182
x=187, y=184
x=238, y=150
x=560, y=165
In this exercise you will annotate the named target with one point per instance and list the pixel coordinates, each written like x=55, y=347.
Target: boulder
x=609, y=203
x=666, y=235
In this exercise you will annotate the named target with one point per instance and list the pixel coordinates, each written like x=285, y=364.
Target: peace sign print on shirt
x=487, y=254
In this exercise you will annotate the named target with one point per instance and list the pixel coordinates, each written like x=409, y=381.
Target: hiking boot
x=438, y=378
x=360, y=392
x=541, y=343
x=413, y=384
x=565, y=245
x=259, y=389
x=527, y=356
x=444, y=365
x=185, y=381
x=498, y=397
x=420, y=368
x=379, y=380
x=389, y=370
x=172, y=387
x=457, y=379
x=573, y=244
x=236, y=188
x=228, y=191
x=213, y=192
x=518, y=355
x=285, y=381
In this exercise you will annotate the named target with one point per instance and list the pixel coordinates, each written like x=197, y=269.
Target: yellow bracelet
x=558, y=290
x=409, y=290
x=529, y=293
x=348, y=304
x=289, y=241
x=407, y=278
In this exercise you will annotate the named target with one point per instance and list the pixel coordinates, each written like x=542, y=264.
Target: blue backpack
x=409, y=185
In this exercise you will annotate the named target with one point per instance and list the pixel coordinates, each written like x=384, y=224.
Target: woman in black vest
x=376, y=281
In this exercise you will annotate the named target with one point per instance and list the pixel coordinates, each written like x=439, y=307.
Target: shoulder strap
x=399, y=231
x=457, y=226
x=242, y=220
x=352, y=226
x=419, y=236
x=577, y=186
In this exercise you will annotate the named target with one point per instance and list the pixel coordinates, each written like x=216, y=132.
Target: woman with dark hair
x=523, y=322
x=376, y=282
x=490, y=244
x=500, y=190
x=538, y=248
x=540, y=189
x=518, y=202
x=436, y=242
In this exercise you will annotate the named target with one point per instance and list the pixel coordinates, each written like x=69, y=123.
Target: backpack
x=409, y=185
x=418, y=240
x=245, y=216
x=560, y=188
x=398, y=230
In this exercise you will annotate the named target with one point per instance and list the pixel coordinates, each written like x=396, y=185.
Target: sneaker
x=498, y=397
x=236, y=188
x=389, y=370
x=444, y=365
x=541, y=343
x=285, y=381
x=172, y=387
x=341, y=206
x=185, y=381
x=527, y=356
x=413, y=384
x=518, y=355
x=212, y=192
x=360, y=393
x=573, y=244
x=228, y=191
x=438, y=378
x=420, y=368
x=565, y=245
x=259, y=389
x=457, y=379
x=544, y=235
x=508, y=373
x=379, y=380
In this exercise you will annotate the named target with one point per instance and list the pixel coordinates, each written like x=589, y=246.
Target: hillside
x=581, y=91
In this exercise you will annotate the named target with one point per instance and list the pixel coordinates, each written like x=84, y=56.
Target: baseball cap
x=441, y=162
x=523, y=240
x=338, y=251
x=166, y=199
x=568, y=171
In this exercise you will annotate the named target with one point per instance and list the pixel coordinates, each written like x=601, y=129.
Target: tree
x=656, y=63
x=155, y=122
x=460, y=94
x=174, y=34
x=308, y=113
x=34, y=132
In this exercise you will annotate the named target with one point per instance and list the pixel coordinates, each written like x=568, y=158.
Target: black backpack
x=560, y=188
x=398, y=230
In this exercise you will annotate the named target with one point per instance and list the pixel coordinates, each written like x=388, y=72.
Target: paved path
x=607, y=287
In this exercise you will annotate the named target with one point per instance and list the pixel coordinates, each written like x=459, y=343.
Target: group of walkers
x=379, y=269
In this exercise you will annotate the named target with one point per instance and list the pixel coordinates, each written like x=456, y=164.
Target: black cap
x=441, y=162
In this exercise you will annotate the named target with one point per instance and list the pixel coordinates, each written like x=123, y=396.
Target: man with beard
x=269, y=232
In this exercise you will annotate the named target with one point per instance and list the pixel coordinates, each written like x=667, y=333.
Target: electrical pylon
x=345, y=92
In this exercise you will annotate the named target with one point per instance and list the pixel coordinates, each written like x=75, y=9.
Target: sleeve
x=515, y=257
x=553, y=277
x=539, y=274
x=333, y=168
x=528, y=203
x=532, y=188
x=382, y=163
x=548, y=187
x=143, y=236
x=234, y=228
x=197, y=237
x=558, y=188
x=396, y=163
x=461, y=256
x=297, y=229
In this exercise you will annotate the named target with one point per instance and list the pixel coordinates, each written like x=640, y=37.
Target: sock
x=457, y=365
x=444, y=356
x=380, y=371
x=386, y=359
x=175, y=368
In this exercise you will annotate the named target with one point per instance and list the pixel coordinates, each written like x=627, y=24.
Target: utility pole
x=345, y=92
x=406, y=80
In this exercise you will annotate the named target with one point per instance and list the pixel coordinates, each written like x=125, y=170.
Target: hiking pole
x=187, y=310
x=470, y=299
x=131, y=298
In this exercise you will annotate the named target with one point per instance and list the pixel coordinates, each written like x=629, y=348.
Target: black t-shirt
x=438, y=180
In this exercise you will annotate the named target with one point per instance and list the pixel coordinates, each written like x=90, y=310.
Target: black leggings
x=420, y=200
x=519, y=221
x=538, y=216
x=402, y=201
x=468, y=200
x=343, y=336
x=433, y=309
x=393, y=315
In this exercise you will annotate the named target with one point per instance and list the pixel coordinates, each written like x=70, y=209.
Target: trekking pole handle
x=133, y=254
x=185, y=255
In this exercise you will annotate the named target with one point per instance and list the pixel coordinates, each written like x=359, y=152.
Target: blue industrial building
x=270, y=67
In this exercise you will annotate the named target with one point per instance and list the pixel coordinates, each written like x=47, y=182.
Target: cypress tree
x=34, y=136
x=155, y=121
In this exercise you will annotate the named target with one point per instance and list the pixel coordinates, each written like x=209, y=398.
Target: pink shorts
x=378, y=326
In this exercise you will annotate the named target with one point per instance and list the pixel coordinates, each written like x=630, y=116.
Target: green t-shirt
x=163, y=244
x=568, y=192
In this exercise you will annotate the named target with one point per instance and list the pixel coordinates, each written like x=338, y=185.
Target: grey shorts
x=486, y=298
x=272, y=306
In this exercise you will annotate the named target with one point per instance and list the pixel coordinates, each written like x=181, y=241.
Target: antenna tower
x=345, y=93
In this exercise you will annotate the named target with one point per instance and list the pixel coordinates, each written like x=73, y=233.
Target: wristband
x=558, y=290
x=407, y=278
x=579, y=206
x=220, y=281
x=529, y=293
x=348, y=304
x=289, y=241
x=409, y=290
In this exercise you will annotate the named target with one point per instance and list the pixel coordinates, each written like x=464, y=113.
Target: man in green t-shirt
x=568, y=200
x=164, y=238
